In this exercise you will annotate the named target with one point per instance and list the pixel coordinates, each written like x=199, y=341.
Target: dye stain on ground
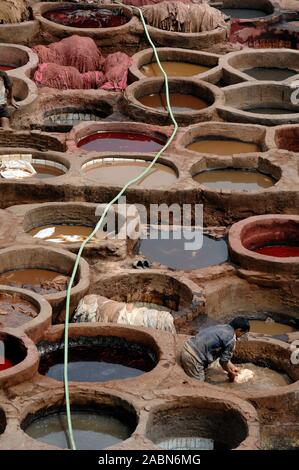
x=234, y=179
x=220, y=146
x=92, y=431
x=120, y=171
x=90, y=17
x=173, y=69
x=174, y=252
x=120, y=142
x=15, y=311
x=41, y=281
x=98, y=363
x=180, y=103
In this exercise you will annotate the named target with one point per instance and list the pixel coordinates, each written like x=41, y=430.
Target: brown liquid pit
x=180, y=103
x=120, y=172
x=236, y=180
x=41, y=281
x=219, y=146
x=173, y=69
x=15, y=311
x=78, y=233
x=46, y=171
x=263, y=380
x=270, y=327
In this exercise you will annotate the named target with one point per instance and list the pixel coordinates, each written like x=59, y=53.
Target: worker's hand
x=232, y=376
x=233, y=369
x=14, y=104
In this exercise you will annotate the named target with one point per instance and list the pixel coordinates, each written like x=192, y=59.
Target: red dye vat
x=86, y=18
x=5, y=363
x=5, y=68
x=281, y=251
x=120, y=142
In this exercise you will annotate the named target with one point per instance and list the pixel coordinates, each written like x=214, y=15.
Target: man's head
x=241, y=326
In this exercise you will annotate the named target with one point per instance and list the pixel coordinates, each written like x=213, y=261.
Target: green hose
x=98, y=226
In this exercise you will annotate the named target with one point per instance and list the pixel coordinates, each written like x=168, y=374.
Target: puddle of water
x=120, y=142
x=15, y=311
x=220, y=146
x=120, y=172
x=280, y=250
x=272, y=328
x=172, y=252
x=270, y=73
x=86, y=18
x=96, y=364
x=65, y=233
x=180, y=103
x=233, y=179
x=263, y=380
x=92, y=431
x=41, y=281
x=245, y=13
x=173, y=69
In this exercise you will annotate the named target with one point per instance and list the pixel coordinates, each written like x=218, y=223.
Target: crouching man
x=214, y=342
x=6, y=99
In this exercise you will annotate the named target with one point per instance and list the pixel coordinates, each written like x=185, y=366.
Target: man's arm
x=225, y=360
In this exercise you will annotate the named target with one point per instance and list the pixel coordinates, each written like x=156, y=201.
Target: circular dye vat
x=97, y=359
x=120, y=142
x=119, y=171
x=180, y=103
x=174, y=252
x=243, y=13
x=271, y=328
x=47, y=171
x=90, y=17
x=279, y=250
x=173, y=69
x=65, y=233
x=271, y=110
x=12, y=353
x=220, y=146
x=92, y=430
x=233, y=179
x=270, y=73
x=41, y=281
x=263, y=380
x=15, y=311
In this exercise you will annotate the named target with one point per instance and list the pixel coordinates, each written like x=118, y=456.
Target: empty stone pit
x=197, y=423
x=64, y=119
x=13, y=56
x=247, y=10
